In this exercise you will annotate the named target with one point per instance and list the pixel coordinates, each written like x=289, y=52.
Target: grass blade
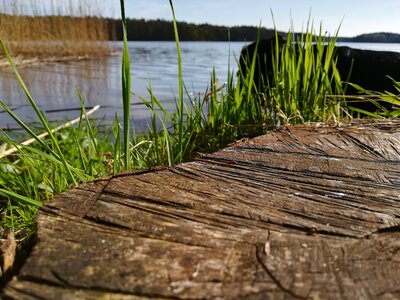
x=19, y=198
x=38, y=113
x=180, y=82
x=126, y=91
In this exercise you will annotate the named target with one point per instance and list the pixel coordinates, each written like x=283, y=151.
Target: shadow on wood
x=304, y=212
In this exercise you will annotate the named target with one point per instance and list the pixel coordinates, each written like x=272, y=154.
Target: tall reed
x=35, y=28
x=180, y=88
x=126, y=91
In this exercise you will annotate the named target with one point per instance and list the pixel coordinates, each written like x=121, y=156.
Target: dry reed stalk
x=44, y=134
x=34, y=28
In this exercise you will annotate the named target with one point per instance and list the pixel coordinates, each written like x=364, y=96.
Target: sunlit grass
x=126, y=91
x=305, y=85
x=381, y=100
x=33, y=175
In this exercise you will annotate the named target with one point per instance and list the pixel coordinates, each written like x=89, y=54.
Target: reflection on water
x=53, y=85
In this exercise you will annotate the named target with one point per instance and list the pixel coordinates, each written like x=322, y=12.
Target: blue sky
x=357, y=16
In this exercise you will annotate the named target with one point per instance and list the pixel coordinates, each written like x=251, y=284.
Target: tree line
x=377, y=37
x=162, y=30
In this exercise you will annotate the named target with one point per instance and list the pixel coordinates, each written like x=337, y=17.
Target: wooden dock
x=303, y=212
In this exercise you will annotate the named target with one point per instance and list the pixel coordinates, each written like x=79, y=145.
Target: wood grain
x=303, y=212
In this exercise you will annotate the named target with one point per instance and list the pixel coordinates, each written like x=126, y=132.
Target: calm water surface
x=54, y=85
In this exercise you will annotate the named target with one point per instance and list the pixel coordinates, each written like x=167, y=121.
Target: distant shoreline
x=162, y=30
x=42, y=29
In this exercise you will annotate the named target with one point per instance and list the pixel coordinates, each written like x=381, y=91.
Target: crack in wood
x=259, y=255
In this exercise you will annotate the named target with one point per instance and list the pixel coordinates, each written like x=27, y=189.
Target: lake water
x=53, y=85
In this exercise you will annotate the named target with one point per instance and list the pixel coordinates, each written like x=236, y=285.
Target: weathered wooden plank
x=303, y=212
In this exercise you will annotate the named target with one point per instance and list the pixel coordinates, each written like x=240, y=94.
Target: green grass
x=305, y=85
x=303, y=90
x=304, y=80
x=33, y=174
x=126, y=91
x=378, y=99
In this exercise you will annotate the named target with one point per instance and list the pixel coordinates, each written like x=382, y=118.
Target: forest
x=162, y=30
x=377, y=37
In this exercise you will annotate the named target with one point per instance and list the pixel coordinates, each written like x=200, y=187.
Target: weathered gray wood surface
x=306, y=212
